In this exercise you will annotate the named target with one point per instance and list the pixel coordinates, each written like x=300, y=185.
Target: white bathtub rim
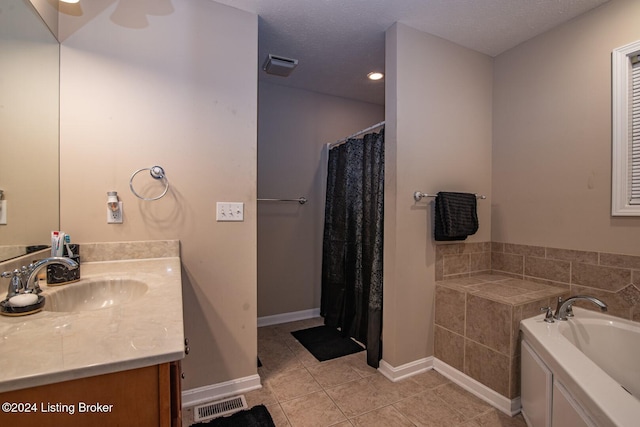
x=599, y=394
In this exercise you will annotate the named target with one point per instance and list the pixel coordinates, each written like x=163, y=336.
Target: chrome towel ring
x=156, y=172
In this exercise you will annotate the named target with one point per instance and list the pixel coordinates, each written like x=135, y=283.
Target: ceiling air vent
x=219, y=408
x=279, y=65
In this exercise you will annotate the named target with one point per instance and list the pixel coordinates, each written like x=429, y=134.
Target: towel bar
x=301, y=200
x=419, y=195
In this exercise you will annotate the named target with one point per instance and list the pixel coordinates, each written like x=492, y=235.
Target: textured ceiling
x=337, y=42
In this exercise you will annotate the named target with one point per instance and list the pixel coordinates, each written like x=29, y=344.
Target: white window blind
x=634, y=125
x=625, y=177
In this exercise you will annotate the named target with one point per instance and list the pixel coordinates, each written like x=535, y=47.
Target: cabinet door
x=139, y=397
x=566, y=411
x=536, y=383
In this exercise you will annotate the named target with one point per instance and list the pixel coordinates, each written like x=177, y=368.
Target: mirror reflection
x=29, y=116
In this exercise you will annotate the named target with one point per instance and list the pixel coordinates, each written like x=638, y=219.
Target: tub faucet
x=564, y=308
x=33, y=269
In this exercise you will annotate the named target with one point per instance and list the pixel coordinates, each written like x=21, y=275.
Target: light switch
x=229, y=211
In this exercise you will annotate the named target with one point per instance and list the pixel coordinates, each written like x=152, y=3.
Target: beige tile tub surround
x=484, y=289
x=614, y=278
x=462, y=259
x=477, y=322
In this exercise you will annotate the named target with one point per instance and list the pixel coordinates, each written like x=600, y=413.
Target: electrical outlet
x=114, y=217
x=229, y=211
x=3, y=212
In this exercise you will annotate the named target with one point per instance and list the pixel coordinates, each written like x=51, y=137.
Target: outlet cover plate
x=229, y=211
x=114, y=217
x=3, y=212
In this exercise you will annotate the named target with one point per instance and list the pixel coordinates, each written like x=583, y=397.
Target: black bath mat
x=258, y=416
x=326, y=343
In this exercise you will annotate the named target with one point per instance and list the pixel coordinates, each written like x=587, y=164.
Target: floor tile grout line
x=362, y=374
x=324, y=389
x=338, y=406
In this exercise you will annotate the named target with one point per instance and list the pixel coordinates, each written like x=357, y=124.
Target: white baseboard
x=210, y=393
x=405, y=371
x=276, y=319
x=510, y=407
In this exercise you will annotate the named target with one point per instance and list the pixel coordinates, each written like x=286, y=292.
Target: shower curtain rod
x=342, y=141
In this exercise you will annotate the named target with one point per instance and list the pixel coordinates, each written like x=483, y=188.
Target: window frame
x=621, y=131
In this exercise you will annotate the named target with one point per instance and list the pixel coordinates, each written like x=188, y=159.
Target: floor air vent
x=219, y=408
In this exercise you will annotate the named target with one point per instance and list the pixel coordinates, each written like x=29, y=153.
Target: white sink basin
x=94, y=294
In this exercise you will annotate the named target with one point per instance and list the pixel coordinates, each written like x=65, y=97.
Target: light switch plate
x=229, y=211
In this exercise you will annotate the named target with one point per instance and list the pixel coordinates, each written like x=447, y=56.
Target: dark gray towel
x=456, y=216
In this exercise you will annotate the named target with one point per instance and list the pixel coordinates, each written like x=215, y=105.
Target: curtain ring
x=156, y=172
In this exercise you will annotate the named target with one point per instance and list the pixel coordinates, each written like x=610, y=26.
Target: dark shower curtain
x=352, y=246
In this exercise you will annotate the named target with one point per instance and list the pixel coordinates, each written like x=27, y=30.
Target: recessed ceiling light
x=375, y=75
x=70, y=1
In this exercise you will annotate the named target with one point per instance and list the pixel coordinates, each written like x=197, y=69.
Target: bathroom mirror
x=29, y=118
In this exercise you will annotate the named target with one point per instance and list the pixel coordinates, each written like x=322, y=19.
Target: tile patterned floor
x=300, y=391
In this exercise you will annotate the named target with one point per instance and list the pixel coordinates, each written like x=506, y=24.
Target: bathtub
x=590, y=364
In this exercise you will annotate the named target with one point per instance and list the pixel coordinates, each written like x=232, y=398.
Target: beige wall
x=180, y=92
x=552, y=136
x=294, y=126
x=438, y=106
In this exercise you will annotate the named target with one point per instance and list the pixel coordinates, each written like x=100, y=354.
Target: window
x=625, y=199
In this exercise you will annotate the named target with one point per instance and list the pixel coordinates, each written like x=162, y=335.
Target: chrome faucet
x=564, y=308
x=33, y=269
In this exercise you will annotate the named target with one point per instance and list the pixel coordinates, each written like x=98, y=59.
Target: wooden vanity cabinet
x=142, y=397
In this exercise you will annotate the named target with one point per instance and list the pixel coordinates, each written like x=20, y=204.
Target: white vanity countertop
x=50, y=347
